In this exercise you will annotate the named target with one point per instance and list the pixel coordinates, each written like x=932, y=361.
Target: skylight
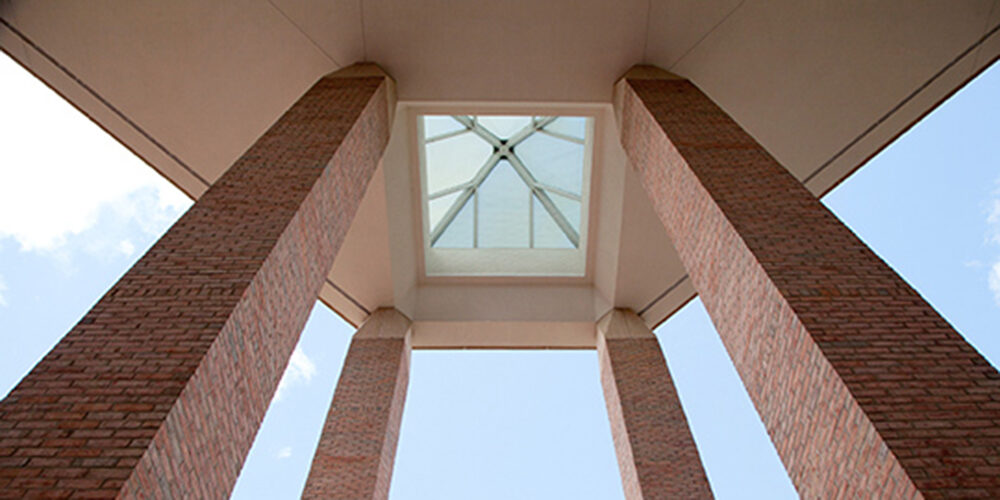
x=505, y=182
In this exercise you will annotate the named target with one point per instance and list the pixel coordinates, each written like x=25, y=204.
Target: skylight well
x=505, y=195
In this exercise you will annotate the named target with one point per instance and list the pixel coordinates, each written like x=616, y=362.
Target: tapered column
x=357, y=449
x=865, y=390
x=158, y=391
x=657, y=456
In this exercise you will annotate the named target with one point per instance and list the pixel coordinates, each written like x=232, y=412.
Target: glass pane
x=459, y=232
x=504, y=126
x=437, y=125
x=569, y=208
x=573, y=126
x=553, y=161
x=547, y=232
x=503, y=209
x=455, y=160
x=437, y=207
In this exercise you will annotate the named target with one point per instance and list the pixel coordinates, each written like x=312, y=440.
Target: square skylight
x=505, y=195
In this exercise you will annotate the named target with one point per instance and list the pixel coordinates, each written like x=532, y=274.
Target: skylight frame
x=506, y=262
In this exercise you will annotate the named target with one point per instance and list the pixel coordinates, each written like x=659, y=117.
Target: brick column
x=656, y=453
x=865, y=390
x=357, y=449
x=158, y=391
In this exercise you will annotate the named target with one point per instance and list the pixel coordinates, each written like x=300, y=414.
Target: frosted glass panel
x=437, y=125
x=569, y=208
x=437, y=207
x=573, y=126
x=455, y=160
x=459, y=232
x=503, y=209
x=553, y=161
x=505, y=126
x=547, y=232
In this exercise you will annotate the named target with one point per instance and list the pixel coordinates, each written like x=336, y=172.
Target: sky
x=77, y=210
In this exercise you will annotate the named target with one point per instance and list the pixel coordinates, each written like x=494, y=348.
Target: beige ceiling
x=189, y=85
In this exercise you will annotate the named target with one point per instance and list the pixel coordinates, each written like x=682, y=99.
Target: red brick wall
x=657, y=456
x=160, y=388
x=865, y=390
x=357, y=449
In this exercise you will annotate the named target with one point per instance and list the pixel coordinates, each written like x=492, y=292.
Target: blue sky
x=77, y=209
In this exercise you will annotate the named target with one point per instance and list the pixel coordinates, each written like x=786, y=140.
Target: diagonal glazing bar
x=545, y=200
x=446, y=191
x=560, y=191
x=535, y=126
x=562, y=136
x=470, y=188
x=446, y=135
x=480, y=130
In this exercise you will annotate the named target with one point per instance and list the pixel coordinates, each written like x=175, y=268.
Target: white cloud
x=993, y=220
x=3, y=288
x=300, y=371
x=284, y=453
x=59, y=170
x=126, y=247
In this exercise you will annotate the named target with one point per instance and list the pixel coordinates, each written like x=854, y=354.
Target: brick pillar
x=865, y=390
x=656, y=453
x=158, y=391
x=357, y=449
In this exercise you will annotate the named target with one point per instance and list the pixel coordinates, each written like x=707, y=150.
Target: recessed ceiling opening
x=505, y=195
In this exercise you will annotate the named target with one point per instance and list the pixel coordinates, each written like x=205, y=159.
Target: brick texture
x=657, y=456
x=865, y=390
x=357, y=449
x=160, y=388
